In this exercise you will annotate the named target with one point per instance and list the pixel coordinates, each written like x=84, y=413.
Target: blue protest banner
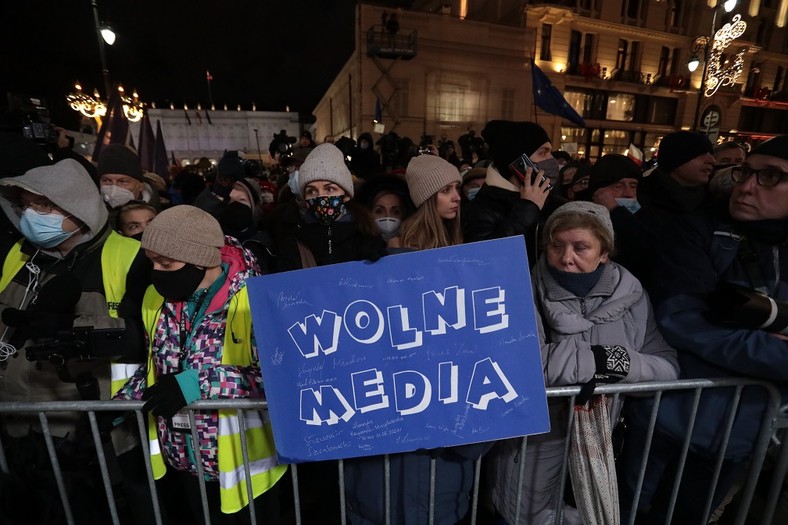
x=420, y=350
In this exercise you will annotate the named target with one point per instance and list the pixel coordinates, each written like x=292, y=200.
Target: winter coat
x=410, y=486
x=341, y=241
x=498, y=211
x=126, y=270
x=616, y=311
x=701, y=254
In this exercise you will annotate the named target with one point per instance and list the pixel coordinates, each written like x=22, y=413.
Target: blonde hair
x=426, y=229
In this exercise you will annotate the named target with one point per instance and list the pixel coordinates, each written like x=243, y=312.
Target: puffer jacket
x=616, y=311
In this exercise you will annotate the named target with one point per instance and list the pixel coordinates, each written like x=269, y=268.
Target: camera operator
x=69, y=270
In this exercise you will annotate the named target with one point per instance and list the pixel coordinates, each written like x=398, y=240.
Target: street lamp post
x=712, y=47
x=102, y=53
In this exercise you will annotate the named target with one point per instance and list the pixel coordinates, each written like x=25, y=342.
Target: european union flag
x=547, y=97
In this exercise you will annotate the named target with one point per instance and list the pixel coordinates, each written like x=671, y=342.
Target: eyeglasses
x=764, y=177
x=582, y=183
x=42, y=208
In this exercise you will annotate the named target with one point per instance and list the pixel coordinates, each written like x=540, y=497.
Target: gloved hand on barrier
x=736, y=306
x=612, y=365
x=171, y=393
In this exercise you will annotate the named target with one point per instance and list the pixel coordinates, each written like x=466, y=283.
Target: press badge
x=180, y=422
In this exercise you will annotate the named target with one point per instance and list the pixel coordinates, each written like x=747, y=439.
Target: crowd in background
x=673, y=269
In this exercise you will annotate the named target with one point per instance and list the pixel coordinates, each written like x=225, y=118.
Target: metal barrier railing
x=773, y=420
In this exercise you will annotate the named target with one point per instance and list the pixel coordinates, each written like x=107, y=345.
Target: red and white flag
x=635, y=154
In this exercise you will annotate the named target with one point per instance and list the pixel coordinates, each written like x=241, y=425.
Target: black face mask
x=138, y=236
x=178, y=285
x=237, y=220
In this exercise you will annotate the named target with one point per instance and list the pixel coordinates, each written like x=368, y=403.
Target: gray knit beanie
x=595, y=211
x=187, y=234
x=427, y=174
x=325, y=162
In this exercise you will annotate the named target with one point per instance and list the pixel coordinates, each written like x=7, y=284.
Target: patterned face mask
x=327, y=209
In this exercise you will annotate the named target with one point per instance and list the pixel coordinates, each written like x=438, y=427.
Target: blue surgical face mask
x=632, y=205
x=292, y=182
x=44, y=230
x=472, y=193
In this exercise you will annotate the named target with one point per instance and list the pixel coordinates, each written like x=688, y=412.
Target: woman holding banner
x=596, y=326
x=434, y=185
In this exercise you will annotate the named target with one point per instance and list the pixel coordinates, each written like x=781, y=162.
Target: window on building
x=621, y=55
x=589, y=104
x=589, y=51
x=634, y=57
x=456, y=97
x=631, y=9
x=573, y=59
x=620, y=106
x=507, y=104
x=664, y=58
x=547, y=34
x=675, y=60
x=662, y=111
x=779, y=79
x=674, y=15
x=764, y=32
x=401, y=99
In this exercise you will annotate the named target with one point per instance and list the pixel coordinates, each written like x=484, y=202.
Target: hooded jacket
x=88, y=265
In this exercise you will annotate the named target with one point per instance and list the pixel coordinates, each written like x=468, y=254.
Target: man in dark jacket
x=721, y=299
x=613, y=183
x=508, y=204
x=680, y=182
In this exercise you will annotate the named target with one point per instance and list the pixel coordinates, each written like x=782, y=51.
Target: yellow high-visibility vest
x=117, y=256
x=263, y=464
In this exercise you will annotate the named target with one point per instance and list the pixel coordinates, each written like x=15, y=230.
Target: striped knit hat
x=427, y=174
x=187, y=234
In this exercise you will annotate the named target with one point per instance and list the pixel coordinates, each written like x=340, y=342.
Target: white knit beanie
x=325, y=162
x=427, y=174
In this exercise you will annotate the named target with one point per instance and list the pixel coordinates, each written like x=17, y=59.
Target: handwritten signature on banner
x=380, y=358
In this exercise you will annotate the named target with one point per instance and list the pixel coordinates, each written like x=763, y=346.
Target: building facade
x=453, y=65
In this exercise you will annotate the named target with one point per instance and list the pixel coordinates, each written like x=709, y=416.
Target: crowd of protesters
x=678, y=269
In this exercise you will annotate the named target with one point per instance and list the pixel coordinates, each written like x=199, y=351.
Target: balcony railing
x=386, y=44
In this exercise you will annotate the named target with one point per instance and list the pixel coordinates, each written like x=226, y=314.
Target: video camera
x=282, y=144
x=32, y=116
x=83, y=343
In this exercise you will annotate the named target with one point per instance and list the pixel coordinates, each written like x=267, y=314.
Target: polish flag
x=635, y=154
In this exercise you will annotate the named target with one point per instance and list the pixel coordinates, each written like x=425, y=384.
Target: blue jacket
x=410, y=482
x=702, y=253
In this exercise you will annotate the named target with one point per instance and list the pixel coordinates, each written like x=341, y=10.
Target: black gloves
x=736, y=306
x=53, y=309
x=165, y=397
x=612, y=365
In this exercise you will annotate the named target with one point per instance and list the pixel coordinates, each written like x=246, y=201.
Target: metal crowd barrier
x=772, y=428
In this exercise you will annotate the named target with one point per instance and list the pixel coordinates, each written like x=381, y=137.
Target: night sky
x=275, y=53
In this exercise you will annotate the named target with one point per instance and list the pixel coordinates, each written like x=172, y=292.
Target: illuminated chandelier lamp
x=725, y=74
x=95, y=108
